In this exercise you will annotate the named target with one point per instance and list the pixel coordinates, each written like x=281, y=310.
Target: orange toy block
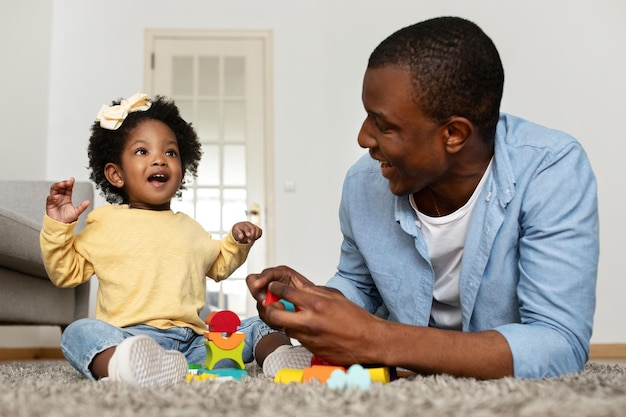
x=224, y=321
x=228, y=342
x=320, y=372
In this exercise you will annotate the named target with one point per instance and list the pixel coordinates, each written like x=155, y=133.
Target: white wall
x=565, y=63
x=25, y=28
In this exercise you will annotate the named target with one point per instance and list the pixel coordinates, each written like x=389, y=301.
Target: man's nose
x=364, y=138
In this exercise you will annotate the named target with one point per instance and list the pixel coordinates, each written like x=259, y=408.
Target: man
x=474, y=234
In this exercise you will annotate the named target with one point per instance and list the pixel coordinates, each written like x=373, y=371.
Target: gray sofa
x=27, y=297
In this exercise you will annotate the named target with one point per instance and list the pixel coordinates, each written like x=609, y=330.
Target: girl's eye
x=171, y=153
x=141, y=151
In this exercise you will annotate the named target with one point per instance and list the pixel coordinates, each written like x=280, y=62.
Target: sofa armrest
x=28, y=198
x=19, y=246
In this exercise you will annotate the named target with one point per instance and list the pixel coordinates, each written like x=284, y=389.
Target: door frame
x=266, y=38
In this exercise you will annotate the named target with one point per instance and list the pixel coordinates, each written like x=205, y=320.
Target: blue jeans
x=86, y=338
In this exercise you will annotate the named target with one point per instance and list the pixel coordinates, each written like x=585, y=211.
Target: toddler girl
x=151, y=263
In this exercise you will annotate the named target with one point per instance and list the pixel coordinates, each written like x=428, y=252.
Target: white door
x=220, y=81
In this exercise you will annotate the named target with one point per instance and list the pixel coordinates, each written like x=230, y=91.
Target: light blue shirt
x=530, y=260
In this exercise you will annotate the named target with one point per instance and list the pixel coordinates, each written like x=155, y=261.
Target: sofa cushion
x=25, y=299
x=19, y=246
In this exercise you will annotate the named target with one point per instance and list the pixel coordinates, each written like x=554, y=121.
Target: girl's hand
x=59, y=203
x=246, y=232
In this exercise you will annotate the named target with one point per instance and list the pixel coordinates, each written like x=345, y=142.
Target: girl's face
x=150, y=172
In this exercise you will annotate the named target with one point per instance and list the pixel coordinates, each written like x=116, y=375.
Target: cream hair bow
x=111, y=117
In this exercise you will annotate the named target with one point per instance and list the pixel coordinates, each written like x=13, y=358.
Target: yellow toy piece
x=379, y=375
x=323, y=374
x=201, y=377
x=287, y=376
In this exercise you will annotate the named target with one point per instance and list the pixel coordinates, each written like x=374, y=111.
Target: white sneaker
x=139, y=360
x=286, y=357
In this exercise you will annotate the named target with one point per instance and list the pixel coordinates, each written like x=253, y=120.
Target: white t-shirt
x=445, y=239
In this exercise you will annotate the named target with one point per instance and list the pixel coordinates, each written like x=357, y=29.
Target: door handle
x=254, y=214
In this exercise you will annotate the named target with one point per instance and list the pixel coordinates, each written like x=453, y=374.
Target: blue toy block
x=235, y=373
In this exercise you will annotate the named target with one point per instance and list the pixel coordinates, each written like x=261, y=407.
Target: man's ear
x=458, y=130
x=113, y=174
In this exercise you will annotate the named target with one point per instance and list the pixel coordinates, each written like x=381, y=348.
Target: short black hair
x=106, y=145
x=455, y=70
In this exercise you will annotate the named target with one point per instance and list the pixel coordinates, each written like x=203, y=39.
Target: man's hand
x=258, y=284
x=59, y=203
x=339, y=331
x=326, y=323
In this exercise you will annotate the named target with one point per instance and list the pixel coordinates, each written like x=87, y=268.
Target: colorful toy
x=195, y=377
x=215, y=354
x=289, y=306
x=224, y=321
x=316, y=360
x=287, y=376
x=335, y=377
x=319, y=372
x=382, y=375
x=377, y=373
x=225, y=373
x=228, y=342
x=223, y=341
x=271, y=298
x=355, y=377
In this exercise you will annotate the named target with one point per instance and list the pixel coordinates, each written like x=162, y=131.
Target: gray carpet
x=53, y=388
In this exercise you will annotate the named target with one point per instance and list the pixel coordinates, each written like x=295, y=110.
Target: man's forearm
x=481, y=355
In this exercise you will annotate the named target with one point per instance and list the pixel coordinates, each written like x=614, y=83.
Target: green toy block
x=214, y=354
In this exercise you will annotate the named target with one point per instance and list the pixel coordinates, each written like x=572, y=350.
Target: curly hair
x=455, y=70
x=106, y=145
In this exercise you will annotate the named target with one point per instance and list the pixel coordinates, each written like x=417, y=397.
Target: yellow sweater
x=151, y=265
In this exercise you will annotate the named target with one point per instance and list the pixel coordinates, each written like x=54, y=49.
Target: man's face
x=409, y=146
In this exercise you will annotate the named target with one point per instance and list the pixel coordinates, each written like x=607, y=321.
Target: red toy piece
x=317, y=361
x=224, y=321
x=270, y=298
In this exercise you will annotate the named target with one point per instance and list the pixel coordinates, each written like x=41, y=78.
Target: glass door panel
x=218, y=85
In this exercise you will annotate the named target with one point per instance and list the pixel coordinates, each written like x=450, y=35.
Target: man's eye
x=381, y=126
